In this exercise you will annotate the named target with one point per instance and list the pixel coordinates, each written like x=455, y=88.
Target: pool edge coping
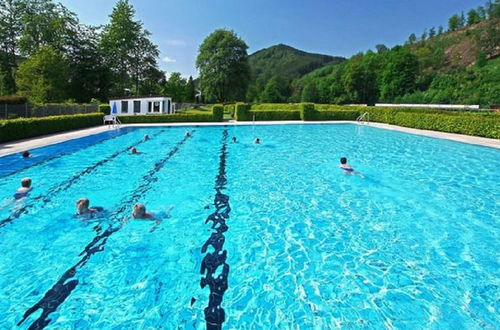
x=13, y=147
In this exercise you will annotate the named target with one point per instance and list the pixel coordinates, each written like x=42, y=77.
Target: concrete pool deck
x=46, y=140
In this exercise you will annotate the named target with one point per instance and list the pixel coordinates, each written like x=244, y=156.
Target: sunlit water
x=413, y=244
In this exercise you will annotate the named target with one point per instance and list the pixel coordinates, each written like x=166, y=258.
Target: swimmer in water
x=139, y=212
x=187, y=134
x=24, y=190
x=26, y=154
x=256, y=141
x=134, y=151
x=348, y=170
x=234, y=139
x=82, y=207
x=146, y=137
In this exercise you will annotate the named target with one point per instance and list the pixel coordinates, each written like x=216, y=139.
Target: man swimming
x=256, y=141
x=134, y=151
x=26, y=154
x=139, y=212
x=82, y=207
x=348, y=170
x=234, y=139
x=24, y=190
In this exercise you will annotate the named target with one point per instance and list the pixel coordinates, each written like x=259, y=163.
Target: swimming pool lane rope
x=214, y=313
x=54, y=190
x=58, y=293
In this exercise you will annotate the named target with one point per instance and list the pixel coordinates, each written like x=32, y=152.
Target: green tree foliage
x=412, y=39
x=175, y=87
x=190, y=93
x=275, y=91
x=473, y=17
x=223, y=64
x=453, y=23
x=440, y=30
x=44, y=76
x=399, y=75
x=310, y=93
x=128, y=52
x=381, y=48
x=432, y=32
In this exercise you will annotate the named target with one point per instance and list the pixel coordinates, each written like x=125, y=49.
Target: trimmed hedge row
x=105, y=109
x=243, y=113
x=216, y=115
x=16, y=129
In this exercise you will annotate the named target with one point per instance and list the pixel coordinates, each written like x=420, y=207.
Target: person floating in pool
x=256, y=141
x=234, y=139
x=139, y=212
x=347, y=168
x=134, y=151
x=82, y=207
x=187, y=134
x=26, y=154
x=24, y=190
x=146, y=137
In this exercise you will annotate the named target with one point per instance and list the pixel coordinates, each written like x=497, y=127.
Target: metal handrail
x=365, y=117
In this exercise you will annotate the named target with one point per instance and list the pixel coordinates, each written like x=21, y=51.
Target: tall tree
x=190, y=93
x=440, y=30
x=223, y=64
x=11, y=29
x=274, y=91
x=310, y=93
x=399, y=75
x=432, y=32
x=44, y=76
x=473, y=17
x=381, y=48
x=128, y=51
x=454, y=23
x=412, y=39
x=175, y=87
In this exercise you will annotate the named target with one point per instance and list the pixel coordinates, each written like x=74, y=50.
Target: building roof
x=138, y=97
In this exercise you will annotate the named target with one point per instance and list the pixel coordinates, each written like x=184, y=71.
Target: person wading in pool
x=24, y=190
x=82, y=207
x=347, y=168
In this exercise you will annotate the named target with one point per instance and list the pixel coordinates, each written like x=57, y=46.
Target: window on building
x=156, y=106
x=124, y=106
x=137, y=106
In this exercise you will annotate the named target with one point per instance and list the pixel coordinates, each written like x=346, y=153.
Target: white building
x=141, y=105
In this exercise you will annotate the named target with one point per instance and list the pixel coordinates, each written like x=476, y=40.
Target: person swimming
x=26, y=154
x=348, y=168
x=187, y=134
x=134, y=151
x=24, y=190
x=234, y=139
x=256, y=141
x=82, y=207
x=139, y=212
x=146, y=137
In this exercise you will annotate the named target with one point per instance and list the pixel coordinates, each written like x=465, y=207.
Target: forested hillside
x=278, y=66
x=458, y=66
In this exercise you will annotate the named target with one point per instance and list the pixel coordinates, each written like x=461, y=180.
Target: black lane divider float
x=66, y=184
x=58, y=293
x=64, y=154
x=214, y=313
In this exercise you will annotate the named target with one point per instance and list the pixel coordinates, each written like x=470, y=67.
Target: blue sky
x=334, y=27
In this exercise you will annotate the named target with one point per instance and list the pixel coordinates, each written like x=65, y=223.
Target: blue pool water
x=259, y=237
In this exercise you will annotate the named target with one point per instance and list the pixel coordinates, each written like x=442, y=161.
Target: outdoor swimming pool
x=283, y=237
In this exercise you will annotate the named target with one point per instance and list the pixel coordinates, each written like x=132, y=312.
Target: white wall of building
x=142, y=106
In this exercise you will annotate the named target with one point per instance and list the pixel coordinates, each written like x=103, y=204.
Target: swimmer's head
x=139, y=210
x=26, y=182
x=133, y=150
x=82, y=204
x=146, y=137
x=343, y=160
x=26, y=154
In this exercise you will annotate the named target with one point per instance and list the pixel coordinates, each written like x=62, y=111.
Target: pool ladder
x=113, y=121
x=364, y=118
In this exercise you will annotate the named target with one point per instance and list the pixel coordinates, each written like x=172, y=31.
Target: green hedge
x=23, y=128
x=307, y=111
x=242, y=112
x=468, y=124
x=218, y=112
x=105, y=109
x=174, y=118
x=261, y=115
x=335, y=115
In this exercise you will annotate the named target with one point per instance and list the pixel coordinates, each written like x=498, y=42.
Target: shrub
x=218, y=112
x=242, y=112
x=105, y=109
x=307, y=111
x=22, y=128
x=335, y=115
x=230, y=109
x=260, y=115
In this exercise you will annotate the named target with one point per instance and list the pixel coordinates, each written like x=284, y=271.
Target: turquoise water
x=284, y=238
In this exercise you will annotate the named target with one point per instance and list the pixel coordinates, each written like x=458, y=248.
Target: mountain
x=286, y=62
x=461, y=66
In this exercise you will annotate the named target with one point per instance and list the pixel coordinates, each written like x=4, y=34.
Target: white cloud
x=176, y=43
x=167, y=59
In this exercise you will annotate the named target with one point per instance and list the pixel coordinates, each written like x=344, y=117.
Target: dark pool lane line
x=54, y=190
x=58, y=293
x=214, y=313
x=88, y=142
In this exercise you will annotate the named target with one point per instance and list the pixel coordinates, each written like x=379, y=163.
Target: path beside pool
x=37, y=142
